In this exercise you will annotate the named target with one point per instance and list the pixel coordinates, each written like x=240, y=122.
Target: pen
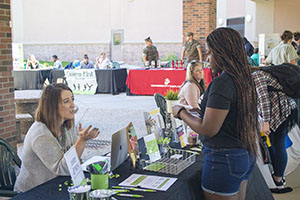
x=134, y=189
x=192, y=152
x=118, y=191
x=130, y=195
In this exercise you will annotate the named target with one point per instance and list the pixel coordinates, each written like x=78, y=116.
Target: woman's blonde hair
x=190, y=78
x=48, y=108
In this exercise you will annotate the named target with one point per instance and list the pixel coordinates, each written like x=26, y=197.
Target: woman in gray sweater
x=49, y=137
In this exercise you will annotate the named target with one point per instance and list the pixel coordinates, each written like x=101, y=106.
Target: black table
x=187, y=187
x=30, y=79
x=111, y=81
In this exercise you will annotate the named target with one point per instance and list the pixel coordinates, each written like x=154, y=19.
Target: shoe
x=280, y=184
x=282, y=191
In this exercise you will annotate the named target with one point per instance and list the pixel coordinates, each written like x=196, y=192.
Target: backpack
x=288, y=76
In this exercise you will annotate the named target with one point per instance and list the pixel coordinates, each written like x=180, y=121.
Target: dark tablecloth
x=30, y=79
x=187, y=187
x=111, y=81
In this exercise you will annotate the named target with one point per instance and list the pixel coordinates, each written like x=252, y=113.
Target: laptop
x=119, y=152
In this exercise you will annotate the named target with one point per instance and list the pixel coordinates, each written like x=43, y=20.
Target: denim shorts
x=225, y=169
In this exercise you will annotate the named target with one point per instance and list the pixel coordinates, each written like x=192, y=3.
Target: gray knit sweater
x=42, y=157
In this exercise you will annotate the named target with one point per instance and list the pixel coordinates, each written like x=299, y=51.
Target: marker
x=130, y=195
x=192, y=152
x=134, y=189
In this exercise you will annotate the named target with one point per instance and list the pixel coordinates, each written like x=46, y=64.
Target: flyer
x=152, y=148
x=150, y=182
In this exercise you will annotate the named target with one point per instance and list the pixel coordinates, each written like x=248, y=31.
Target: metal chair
x=161, y=102
x=7, y=163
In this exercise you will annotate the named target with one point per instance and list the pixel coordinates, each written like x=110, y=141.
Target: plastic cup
x=99, y=181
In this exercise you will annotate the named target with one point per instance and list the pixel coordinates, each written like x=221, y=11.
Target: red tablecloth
x=149, y=82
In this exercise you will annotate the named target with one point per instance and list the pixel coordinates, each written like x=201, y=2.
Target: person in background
x=255, y=57
x=278, y=112
x=57, y=63
x=150, y=53
x=284, y=52
x=191, y=49
x=32, y=63
x=228, y=121
x=49, y=137
x=297, y=40
x=193, y=86
x=102, y=62
x=86, y=64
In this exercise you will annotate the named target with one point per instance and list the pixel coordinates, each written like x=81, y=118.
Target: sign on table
x=82, y=81
x=17, y=54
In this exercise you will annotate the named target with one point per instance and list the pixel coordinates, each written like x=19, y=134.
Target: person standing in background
x=297, y=40
x=86, y=64
x=255, y=57
x=284, y=52
x=191, y=49
x=150, y=54
x=57, y=63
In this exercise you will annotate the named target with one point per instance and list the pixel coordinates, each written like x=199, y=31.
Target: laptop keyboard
x=96, y=144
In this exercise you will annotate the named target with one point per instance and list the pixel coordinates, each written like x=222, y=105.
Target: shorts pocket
x=238, y=164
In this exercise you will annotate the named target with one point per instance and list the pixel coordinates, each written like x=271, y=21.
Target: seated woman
x=193, y=86
x=49, y=137
x=102, y=62
x=32, y=63
x=228, y=119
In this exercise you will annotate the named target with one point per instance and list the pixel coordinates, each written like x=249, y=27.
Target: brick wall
x=199, y=17
x=7, y=107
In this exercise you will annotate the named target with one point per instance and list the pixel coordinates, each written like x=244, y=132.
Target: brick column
x=199, y=17
x=7, y=106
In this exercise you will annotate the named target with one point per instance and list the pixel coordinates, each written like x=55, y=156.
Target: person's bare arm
x=183, y=54
x=200, y=54
x=84, y=135
x=293, y=62
x=144, y=59
x=209, y=126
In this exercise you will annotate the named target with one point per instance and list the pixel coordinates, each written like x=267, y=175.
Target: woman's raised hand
x=87, y=134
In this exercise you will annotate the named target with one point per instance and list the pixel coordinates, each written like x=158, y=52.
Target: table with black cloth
x=111, y=81
x=30, y=79
x=187, y=186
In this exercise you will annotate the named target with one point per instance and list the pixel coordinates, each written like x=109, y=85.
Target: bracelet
x=178, y=113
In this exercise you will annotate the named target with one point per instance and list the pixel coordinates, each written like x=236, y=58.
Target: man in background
x=191, y=49
x=150, y=54
x=86, y=64
x=57, y=63
x=297, y=40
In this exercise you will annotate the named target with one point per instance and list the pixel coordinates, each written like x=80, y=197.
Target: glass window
x=117, y=38
x=237, y=24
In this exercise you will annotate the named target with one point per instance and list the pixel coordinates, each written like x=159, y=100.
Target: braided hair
x=226, y=48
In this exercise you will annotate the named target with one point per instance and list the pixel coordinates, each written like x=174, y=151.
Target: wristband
x=178, y=113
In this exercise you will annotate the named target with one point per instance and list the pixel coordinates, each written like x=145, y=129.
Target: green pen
x=192, y=152
x=134, y=189
x=118, y=191
x=130, y=195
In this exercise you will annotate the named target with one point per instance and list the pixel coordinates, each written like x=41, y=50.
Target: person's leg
x=243, y=189
x=278, y=152
x=209, y=196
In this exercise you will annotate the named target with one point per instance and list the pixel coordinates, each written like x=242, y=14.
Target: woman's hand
x=266, y=128
x=175, y=110
x=87, y=134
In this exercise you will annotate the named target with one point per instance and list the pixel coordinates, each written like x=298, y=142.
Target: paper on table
x=95, y=159
x=149, y=182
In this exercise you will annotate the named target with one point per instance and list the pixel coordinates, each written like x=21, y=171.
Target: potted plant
x=172, y=99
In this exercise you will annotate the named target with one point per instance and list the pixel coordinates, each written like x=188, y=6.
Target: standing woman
x=193, y=86
x=228, y=119
x=49, y=137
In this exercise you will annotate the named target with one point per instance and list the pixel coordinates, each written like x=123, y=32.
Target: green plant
x=171, y=56
x=172, y=95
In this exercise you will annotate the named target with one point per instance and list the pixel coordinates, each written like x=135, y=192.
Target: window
x=117, y=38
x=237, y=24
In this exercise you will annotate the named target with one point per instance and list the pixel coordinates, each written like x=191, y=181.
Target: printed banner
x=17, y=55
x=82, y=81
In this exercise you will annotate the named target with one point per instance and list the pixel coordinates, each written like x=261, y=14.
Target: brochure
x=150, y=182
x=154, y=122
x=152, y=148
